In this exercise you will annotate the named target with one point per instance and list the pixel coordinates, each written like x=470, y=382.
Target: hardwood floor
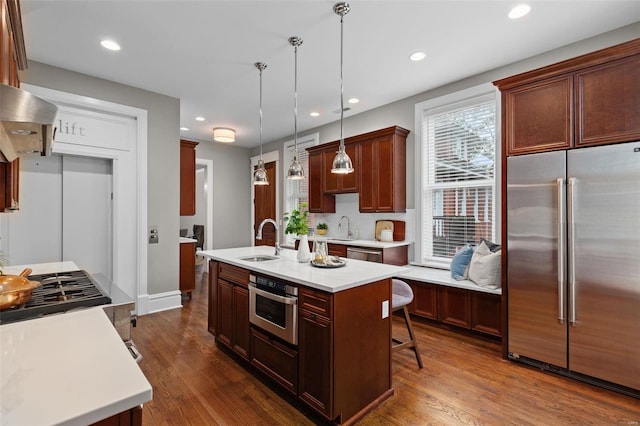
x=464, y=382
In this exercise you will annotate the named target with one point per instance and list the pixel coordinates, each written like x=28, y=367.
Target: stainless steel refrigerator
x=573, y=271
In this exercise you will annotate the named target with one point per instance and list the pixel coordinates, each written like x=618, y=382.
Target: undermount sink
x=259, y=258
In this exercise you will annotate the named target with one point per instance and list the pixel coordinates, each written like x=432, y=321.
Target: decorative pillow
x=491, y=245
x=460, y=263
x=484, y=269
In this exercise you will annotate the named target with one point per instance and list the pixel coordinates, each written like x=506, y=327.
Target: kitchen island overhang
x=341, y=366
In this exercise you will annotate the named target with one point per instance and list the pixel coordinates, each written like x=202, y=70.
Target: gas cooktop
x=59, y=292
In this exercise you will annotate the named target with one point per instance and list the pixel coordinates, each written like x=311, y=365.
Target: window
x=456, y=147
x=297, y=191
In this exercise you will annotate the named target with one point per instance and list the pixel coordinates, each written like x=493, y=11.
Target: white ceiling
x=203, y=51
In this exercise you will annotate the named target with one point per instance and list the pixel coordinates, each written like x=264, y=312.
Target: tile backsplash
x=362, y=224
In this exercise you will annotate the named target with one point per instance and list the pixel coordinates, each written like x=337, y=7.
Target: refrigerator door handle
x=572, y=258
x=562, y=266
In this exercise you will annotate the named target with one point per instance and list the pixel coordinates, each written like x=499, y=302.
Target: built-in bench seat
x=439, y=297
x=443, y=277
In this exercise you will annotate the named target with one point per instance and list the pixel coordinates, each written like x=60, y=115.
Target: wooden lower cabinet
x=316, y=361
x=232, y=310
x=276, y=359
x=132, y=417
x=468, y=309
x=213, y=297
x=187, y=267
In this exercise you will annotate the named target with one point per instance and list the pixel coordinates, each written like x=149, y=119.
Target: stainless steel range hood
x=26, y=124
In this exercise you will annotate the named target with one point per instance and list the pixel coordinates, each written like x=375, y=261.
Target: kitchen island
x=338, y=363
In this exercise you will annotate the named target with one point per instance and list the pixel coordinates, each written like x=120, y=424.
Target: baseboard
x=150, y=303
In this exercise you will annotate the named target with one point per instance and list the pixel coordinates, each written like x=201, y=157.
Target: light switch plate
x=153, y=235
x=385, y=309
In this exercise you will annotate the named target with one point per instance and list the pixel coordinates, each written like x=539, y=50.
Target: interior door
x=264, y=207
x=535, y=276
x=605, y=325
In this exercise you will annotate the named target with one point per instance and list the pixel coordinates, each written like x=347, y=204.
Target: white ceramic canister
x=386, y=235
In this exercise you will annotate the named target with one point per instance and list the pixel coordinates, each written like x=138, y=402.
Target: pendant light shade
x=295, y=172
x=341, y=163
x=260, y=175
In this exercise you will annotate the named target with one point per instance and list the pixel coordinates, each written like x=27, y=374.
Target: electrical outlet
x=385, y=309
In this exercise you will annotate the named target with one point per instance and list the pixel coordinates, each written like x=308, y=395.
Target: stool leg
x=412, y=336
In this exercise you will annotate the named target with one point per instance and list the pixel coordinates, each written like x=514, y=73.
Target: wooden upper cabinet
x=383, y=180
x=12, y=58
x=608, y=102
x=187, y=178
x=319, y=201
x=589, y=100
x=339, y=183
x=539, y=116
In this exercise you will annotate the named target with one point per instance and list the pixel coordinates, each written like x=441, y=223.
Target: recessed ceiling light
x=184, y=129
x=417, y=56
x=353, y=100
x=519, y=11
x=199, y=118
x=315, y=114
x=110, y=44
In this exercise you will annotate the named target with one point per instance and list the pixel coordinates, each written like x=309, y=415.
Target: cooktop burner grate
x=59, y=292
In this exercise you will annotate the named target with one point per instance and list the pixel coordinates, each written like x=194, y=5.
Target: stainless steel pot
x=16, y=289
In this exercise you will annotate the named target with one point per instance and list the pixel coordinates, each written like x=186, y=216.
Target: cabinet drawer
x=337, y=250
x=316, y=301
x=275, y=359
x=234, y=274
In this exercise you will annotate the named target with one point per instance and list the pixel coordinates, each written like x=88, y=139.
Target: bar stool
x=402, y=295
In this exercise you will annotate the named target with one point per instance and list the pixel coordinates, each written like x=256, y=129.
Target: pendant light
x=260, y=175
x=295, y=172
x=341, y=163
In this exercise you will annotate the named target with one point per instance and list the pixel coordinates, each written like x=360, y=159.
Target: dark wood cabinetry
x=213, y=297
x=383, y=172
x=340, y=183
x=274, y=358
x=132, y=417
x=468, y=309
x=187, y=267
x=379, y=160
x=12, y=58
x=187, y=178
x=232, y=316
x=589, y=100
x=319, y=201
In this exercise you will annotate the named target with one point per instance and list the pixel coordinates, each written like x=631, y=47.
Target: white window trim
x=441, y=101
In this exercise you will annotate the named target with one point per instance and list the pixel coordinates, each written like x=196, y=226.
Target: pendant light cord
x=260, y=114
x=295, y=106
x=341, y=82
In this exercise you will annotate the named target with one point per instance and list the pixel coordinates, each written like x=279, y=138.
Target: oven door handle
x=276, y=297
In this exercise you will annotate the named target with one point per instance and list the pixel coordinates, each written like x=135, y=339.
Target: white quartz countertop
x=42, y=268
x=355, y=273
x=360, y=243
x=70, y=368
x=187, y=240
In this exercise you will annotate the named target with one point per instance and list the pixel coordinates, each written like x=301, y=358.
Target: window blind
x=458, y=176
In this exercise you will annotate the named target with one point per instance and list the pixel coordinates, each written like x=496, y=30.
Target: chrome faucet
x=349, y=234
x=259, y=234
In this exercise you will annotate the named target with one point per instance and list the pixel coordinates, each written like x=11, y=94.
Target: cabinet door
x=187, y=178
x=338, y=183
x=241, y=335
x=337, y=249
x=486, y=313
x=225, y=313
x=608, y=103
x=454, y=306
x=368, y=164
x=424, y=300
x=384, y=175
x=187, y=267
x=10, y=186
x=213, y=297
x=319, y=202
x=315, y=362
x=539, y=116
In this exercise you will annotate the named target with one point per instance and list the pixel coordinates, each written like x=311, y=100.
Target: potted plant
x=322, y=228
x=297, y=224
